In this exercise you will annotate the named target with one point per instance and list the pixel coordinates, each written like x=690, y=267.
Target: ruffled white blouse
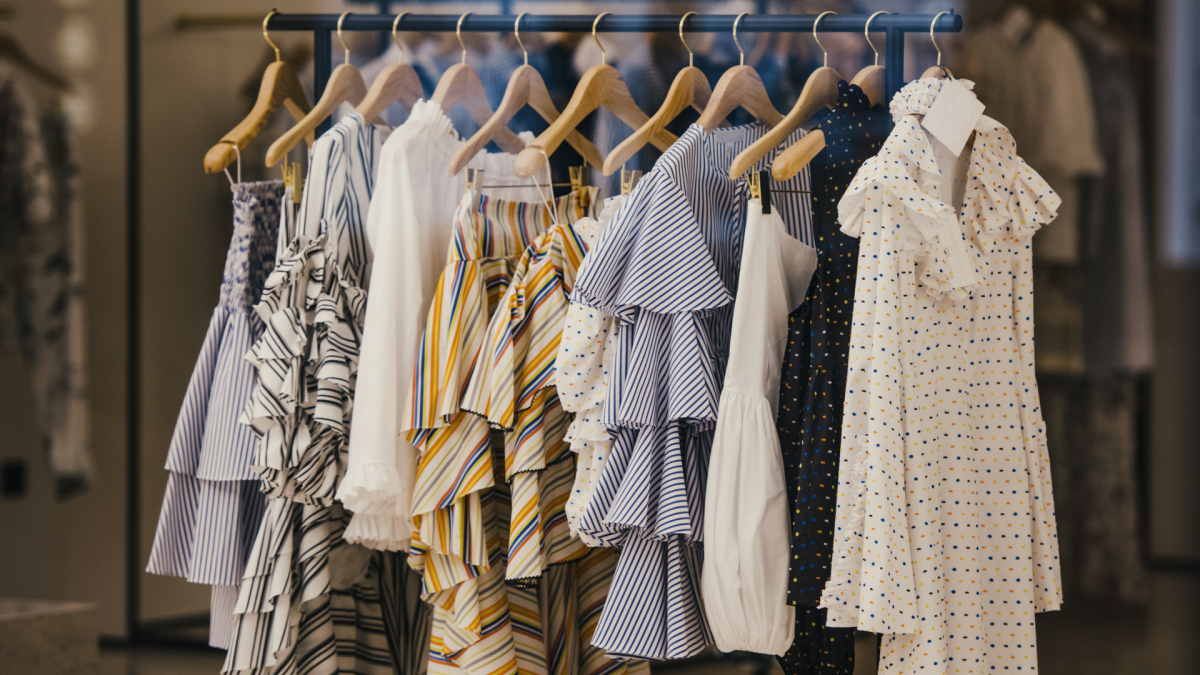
x=745, y=576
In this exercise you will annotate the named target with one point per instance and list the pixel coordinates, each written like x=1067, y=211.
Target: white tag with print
x=953, y=115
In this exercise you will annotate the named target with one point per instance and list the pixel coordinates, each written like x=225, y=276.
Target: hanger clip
x=629, y=180
x=294, y=179
x=760, y=188
x=474, y=180
x=576, y=177
x=764, y=190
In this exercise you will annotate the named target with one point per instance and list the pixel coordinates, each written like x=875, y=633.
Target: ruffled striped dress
x=666, y=268
x=514, y=389
x=463, y=507
x=213, y=505
x=310, y=602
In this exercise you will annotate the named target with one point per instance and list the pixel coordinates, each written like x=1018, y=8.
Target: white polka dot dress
x=945, y=541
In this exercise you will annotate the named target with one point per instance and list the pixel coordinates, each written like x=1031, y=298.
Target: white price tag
x=953, y=115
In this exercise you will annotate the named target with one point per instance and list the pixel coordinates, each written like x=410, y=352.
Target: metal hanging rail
x=893, y=25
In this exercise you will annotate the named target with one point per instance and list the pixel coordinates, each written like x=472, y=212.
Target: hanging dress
x=666, y=269
x=461, y=504
x=585, y=354
x=745, y=572
x=213, y=505
x=513, y=388
x=309, y=601
x=943, y=459
x=814, y=383
x=406, y=225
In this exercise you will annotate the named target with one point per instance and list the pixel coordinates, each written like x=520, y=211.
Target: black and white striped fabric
x=213, y=505
x=667, y=267
x=309, y=601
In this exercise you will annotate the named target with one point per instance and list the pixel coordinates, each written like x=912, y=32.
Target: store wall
x=75, y=549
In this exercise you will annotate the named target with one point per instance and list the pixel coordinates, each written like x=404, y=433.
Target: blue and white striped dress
x=213, y=506
x=667, y=268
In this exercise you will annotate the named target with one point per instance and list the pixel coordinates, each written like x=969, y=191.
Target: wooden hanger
x=820, y=91
x=525, y=87
x=799, y=154
x=601, y=85
x=346, y=84
x=939, y=71
x=739, y=86
x=280, y=87
x=398, y=82
x=689, y=89
x=460, y=85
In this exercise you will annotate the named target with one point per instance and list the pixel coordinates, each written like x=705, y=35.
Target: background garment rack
x=323, y=26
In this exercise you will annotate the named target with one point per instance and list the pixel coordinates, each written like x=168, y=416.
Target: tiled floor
x=1162, y=638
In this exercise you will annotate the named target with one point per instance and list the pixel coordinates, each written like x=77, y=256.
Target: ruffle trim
x=916, y=97
x=373, y=489
x=380, y=532
x=303, y=428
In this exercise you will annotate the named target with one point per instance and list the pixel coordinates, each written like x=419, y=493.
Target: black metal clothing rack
x=323, y=26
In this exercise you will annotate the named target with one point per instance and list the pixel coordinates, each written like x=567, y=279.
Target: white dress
x=946, y=540
x=746, y=543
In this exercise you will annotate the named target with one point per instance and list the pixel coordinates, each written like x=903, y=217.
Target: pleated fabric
x=684, y=220
x=212, y=506
x=813, y=384
x=309, y=601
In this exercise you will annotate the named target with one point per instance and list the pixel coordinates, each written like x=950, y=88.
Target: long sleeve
x=409, y=243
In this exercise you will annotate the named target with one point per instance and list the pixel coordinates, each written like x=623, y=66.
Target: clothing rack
x=323, y=27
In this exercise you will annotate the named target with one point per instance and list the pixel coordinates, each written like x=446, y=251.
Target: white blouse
x=584, y=355
x=746, y=544
x=409, y=226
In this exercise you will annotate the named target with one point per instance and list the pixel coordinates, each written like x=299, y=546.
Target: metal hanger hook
x=931, y=39
x=603, y=54
x=741, y=54
x=685, y=44
x=267, y=36
x=818, y=40
x=458, y=34
x=517, y=35
x=867, y=34
x=339, y=28
x=396, y=38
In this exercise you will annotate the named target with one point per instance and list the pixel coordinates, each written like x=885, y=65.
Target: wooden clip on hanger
x=398, y=82
x=346, y=84
x=280, y=86
x=525, y=87
x=601, y=85
x=460, y=85
x=820, y=91
x=629, y=180
x=938, y=71
x=739, y=86
x=760, y=189
x=799, y=154
x=689, y=89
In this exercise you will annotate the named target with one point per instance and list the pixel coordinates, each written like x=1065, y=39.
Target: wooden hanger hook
x=817, y=21
x=867, y=34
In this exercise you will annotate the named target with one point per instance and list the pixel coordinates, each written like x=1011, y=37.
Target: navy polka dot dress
x=813, y=383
